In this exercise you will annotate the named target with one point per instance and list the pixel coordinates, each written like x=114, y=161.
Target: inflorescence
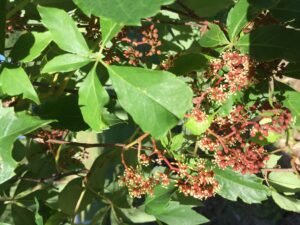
x=234, y=140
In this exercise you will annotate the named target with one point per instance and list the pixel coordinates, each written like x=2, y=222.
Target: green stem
x=17, y=8
x=3, y=4
x=77, y=207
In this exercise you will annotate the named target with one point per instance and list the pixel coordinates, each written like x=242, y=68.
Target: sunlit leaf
x=234, y=185
x=127, y=12
x=213, y=37
x=63, y=30
x=155, y=99
x=30, y=46
x=92, y=99
x=15, y=81
x=65, y=63
x=285, y=202
x=16, y=124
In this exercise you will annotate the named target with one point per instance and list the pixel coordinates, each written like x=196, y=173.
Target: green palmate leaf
x=63, y=30
x=109, y=29
x=287, y=203
x=213, y=37
x=65, y=63
x=15, y=125
x=207, y=8
x=273, y=136
x=198, y=128
x=155, y=204
x=155, y=99
x=16, y=82
x=6, y=171
x=243, y=12
x=101, y=168
x=186, y=200
x=227, y=106
x=292, y=70
x=22, y=215
x=189, y=62
x=282, y=44
x=128, y=12
x=284, y=179
x=176, y=142
x=74, y=197
x=30, y=46
x=165, y=141
x=92, y=99
x=247, y=187
x=176, y=214
x=238, y=18
x=272, y=161
x=137, y=215
x=292, y=102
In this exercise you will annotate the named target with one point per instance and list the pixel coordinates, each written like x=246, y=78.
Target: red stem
x=161, y=156
x=219, y=81
x=198, y=100
x=220, y=139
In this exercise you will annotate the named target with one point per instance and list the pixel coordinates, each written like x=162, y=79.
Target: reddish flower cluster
x=218, y=94
x=250, y=159
x=275, y=119
x=17, y=22
x=149, y=38
x=230, y=137
x=231, y=140
x=68, y=157
x=199, y=184
x=163, y=179
x=138, y=184
x=198, y=114
x=207, y=144
x=144, y=159
x=93, y=28
x=192, y=180
x=229, y=74
x=167, y=63
x=53, y=134
x=135, y=49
